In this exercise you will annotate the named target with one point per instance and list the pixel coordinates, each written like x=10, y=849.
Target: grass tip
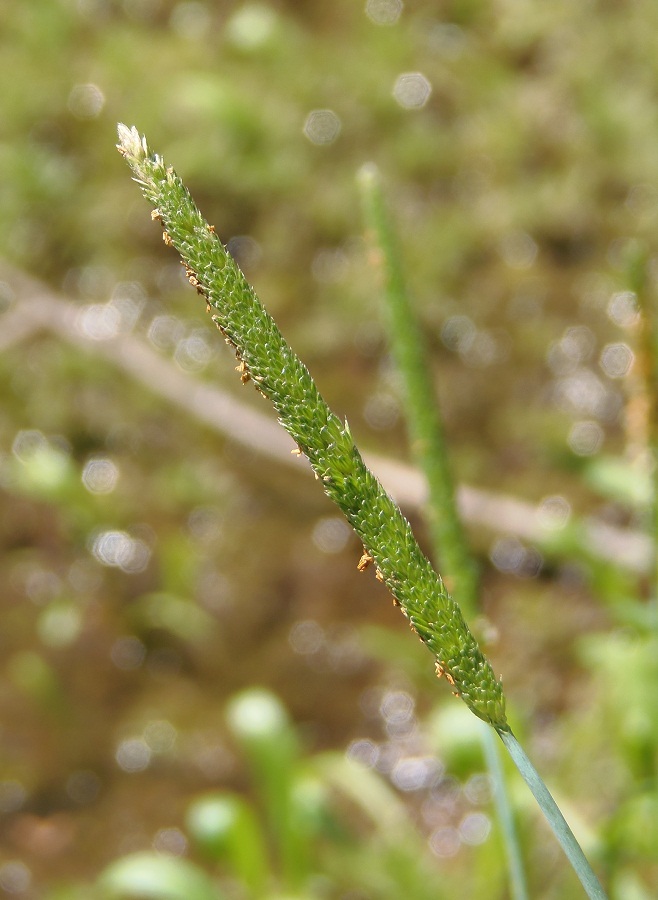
x=368, y=175
x=131, y=144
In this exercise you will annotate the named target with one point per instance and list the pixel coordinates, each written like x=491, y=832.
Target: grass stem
x=555, y=819
x=422, y=412
x=425, y=425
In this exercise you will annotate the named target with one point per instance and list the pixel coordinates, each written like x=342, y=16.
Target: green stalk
x=422, y=412
x=555, y=819
x=425, y=425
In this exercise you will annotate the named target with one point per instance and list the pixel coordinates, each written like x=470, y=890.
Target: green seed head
x=268, y=361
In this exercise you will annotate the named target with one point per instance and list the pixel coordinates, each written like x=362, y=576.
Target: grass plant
x=265, y=359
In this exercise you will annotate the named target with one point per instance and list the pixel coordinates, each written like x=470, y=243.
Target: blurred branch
x=38, y=308
x=43, y=309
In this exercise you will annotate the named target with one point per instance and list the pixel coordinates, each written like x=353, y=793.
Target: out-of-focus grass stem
x=422, y=414
x=427, y=433
x=505, y=816
x=642, y=412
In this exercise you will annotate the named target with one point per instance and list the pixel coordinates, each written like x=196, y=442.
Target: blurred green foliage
x=150, y=568
x=299, y=839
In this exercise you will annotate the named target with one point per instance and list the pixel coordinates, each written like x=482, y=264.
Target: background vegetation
x=153, y=566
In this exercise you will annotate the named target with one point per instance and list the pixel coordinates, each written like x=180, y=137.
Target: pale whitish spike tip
x=130, y=142
x=368, y=175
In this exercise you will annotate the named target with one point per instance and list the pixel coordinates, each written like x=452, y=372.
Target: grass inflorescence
x=266, y=359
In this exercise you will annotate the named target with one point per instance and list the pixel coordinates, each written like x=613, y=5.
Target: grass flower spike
x=267, y=360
